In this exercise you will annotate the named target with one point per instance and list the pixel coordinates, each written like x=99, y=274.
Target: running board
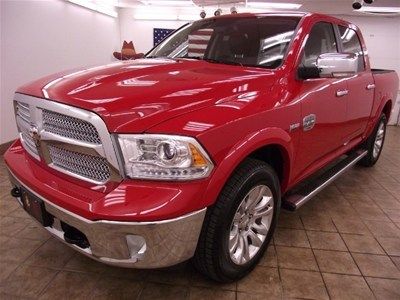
x=300, y=197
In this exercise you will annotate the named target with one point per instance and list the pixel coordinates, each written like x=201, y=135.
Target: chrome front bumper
x=129, y=244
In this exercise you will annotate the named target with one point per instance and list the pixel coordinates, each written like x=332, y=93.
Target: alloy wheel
x=378, y=143
x=251, y=224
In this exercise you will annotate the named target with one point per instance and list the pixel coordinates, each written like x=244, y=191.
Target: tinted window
x=321, y=40
x=351, y=44
x=247, y=41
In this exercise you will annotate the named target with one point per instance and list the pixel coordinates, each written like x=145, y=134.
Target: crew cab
x=190, y=152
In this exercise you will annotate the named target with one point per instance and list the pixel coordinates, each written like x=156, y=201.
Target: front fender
x=241, y=150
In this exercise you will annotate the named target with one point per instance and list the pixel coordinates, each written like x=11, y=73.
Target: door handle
x=370, y=86
x=341, y=93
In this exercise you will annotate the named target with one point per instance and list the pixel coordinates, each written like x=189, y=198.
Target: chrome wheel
x=378, y=143
x=251, y=224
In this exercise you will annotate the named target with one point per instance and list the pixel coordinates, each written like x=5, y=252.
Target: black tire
x=370, y=159
x=212, y=256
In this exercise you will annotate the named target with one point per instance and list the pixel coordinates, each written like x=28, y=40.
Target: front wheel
x=238, y=227
x=374, y=144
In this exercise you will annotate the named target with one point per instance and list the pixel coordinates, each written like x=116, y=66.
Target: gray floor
x=343, y=244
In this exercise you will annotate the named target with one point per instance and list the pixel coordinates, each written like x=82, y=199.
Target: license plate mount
x=36, y=208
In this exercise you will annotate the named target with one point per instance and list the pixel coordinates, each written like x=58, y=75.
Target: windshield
x=250, y=41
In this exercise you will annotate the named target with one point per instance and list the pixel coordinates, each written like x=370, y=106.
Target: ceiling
x=324, y=6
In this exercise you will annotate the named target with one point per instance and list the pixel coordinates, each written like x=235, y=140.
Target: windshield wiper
x=192, y=57
x=220, y=61
x=212, y=60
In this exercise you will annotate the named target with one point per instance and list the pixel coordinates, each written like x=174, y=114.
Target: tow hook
x=16, y=192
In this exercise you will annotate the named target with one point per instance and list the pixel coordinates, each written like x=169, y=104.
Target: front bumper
x=128, y=244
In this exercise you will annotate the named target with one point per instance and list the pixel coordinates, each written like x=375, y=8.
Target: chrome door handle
x=370, y=86
x=341, y=93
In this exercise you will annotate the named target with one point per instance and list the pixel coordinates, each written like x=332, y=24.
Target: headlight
x=163, y=157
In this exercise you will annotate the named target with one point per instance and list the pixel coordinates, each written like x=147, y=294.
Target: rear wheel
x=239, y=226
x=374, y=144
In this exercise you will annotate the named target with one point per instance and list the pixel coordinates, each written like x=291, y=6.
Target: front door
x=323, y=104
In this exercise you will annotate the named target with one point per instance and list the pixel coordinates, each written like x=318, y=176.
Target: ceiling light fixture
x=274, y=5
x=218, y=12
x=357, y=4
x=368, y=1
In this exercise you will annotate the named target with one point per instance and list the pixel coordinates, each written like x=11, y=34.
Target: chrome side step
x=299, y=197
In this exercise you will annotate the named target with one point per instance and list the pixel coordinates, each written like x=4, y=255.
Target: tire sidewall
x=263, y=176
x=373, y=159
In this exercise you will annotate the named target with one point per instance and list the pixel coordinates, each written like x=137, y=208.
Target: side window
x=351, y=44
x=321, y=40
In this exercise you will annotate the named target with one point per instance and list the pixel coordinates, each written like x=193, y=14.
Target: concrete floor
x=344, y=244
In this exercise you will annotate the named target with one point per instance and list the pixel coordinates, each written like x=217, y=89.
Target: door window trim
x=341, y=47
x=302, y=52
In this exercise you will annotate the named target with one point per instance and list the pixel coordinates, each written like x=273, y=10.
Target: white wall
x=44, y=37
x=141, y=31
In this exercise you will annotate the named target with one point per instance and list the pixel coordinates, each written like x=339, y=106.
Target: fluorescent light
x=101, y=6
x=379, y=9
x=168, y=2
x=274, y=5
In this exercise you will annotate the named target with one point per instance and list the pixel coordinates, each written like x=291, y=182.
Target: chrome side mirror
x=331, y=65
x=337, y=65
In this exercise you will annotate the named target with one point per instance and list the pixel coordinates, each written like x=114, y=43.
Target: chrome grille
x=68, y=139
x=23, y=116
x=69, y=127
x=94, y=168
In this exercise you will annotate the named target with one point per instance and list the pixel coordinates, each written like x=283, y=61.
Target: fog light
x=136, y=245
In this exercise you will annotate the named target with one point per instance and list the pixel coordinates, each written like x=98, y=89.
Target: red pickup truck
x=191, y=151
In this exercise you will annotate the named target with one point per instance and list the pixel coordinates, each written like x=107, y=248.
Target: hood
x=136, y=95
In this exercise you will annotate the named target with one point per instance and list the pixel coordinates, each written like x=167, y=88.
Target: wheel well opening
x=387, y=109
x=273, y=156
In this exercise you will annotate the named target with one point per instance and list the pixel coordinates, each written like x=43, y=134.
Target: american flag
x=159, y=34
x=198, y=42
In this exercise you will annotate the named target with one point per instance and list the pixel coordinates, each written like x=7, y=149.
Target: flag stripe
x=198, y=42
x=197, y=46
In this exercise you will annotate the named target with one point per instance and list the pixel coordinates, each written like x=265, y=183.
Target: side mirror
x=331, y=65
x=337, y=65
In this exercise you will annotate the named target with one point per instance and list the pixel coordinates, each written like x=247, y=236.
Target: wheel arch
x=277, y=157
x=387, y=109
x=272, y=145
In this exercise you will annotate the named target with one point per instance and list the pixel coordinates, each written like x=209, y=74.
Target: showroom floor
x=343, y=244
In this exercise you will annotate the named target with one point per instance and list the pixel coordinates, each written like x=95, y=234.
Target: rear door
x=361, y=87
x=323, y=112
